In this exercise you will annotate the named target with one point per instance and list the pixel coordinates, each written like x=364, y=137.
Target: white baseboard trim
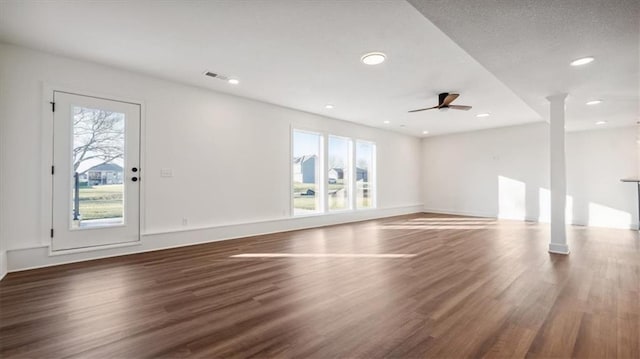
x=38, y=257
x=558, y=248
x=575, y=222
x=460, y=213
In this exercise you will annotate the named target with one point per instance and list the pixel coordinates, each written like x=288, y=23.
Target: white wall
x=596, y=161
x=504, y=172
x=229, y=155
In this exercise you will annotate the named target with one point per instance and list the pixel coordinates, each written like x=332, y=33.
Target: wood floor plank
x=421, y=285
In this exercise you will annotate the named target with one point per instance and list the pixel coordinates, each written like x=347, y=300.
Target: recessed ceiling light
x=599, y=123
x=328, y=106
x=387, y=122
x=425, y=132
x=480, y=115
x=594, y=102
x=373, y=58
x=234, y=81
x=582, y=61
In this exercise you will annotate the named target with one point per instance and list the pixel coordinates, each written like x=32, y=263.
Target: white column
x=558, y=240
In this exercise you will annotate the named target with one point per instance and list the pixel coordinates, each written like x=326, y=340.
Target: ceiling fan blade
x=424, y=109
x=449, y=99
x=460, y=107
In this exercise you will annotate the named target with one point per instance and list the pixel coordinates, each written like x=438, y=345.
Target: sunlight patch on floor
x=455, y=219
x=432, y=226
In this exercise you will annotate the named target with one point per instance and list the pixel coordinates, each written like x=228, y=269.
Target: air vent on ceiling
x=216, y=76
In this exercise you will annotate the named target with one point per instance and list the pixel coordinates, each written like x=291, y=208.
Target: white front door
x=96, y=172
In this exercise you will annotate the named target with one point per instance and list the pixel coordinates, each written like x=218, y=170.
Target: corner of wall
x=3, y=264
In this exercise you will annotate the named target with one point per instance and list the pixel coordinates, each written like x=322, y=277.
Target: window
x=98, y=139
x=307, y=149
x=339, y=173
x=365, y=174
x=331, y=173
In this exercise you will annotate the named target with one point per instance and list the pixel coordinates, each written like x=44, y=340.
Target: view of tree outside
x=306, y=172
x=365, y=159
x=98, y=137
x=98, y=158
x=339, y=173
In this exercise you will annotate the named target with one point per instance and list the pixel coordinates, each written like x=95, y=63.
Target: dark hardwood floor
x=411, y=286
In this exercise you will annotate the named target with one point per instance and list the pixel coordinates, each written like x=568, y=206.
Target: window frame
x=350, y=165
x=321, y=187
x=324, y=174
x=372, y=175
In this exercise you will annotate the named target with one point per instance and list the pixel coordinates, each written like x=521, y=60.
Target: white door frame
x=46, y=200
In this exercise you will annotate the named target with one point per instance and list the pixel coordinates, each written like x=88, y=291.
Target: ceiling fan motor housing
x=441, y=97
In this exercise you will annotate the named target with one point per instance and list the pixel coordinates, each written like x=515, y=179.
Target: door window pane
x=339, y=173
x=307, y=148
x=365, y=174
x=97, y=181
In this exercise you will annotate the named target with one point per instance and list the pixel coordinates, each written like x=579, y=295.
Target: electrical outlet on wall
x=184, y=221
x=166, y=172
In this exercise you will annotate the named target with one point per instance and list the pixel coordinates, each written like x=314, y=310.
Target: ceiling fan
x=444, y=102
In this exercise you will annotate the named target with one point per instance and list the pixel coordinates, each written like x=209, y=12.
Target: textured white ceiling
x=298, y=54
x=528, y=45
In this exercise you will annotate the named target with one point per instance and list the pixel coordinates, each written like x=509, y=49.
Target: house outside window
x=331, y=173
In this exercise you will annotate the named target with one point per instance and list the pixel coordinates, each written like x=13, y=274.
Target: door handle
x=134, y=169
x=134, y=179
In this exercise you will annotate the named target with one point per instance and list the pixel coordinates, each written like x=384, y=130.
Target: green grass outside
x=301, y=201
x=106, y=201
x=363, y=202
x=309, y=202
x=100, y=202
